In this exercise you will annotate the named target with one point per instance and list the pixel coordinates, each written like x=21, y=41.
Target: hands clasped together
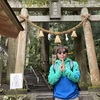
x=62, y=66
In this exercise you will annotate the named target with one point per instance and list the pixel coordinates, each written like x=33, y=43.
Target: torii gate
x=94, y=71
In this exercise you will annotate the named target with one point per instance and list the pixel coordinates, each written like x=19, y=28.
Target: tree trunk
x=45, y=50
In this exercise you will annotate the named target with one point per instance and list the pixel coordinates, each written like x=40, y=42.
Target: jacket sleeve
x=54, y=76
x=73, y=75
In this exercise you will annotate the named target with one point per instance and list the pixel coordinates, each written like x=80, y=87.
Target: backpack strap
x=71, y=65
x=54, y=66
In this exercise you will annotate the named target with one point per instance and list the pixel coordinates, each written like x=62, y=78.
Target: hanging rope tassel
x=41, y=34
x=57, y=39
x=74, y=34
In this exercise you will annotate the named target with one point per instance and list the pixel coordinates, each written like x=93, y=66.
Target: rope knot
x=86, y=16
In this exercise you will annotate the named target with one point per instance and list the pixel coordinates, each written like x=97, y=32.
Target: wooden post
x=93, y=66
x=20, y=58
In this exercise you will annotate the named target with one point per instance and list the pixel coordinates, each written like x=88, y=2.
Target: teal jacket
x=64, y=83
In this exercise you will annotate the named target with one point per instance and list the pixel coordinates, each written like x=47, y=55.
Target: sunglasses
x=60, y=52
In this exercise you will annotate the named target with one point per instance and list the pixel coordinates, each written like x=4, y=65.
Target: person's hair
x=61, y=47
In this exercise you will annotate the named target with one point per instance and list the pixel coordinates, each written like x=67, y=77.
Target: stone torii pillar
x=20, y=57
x=93, y=66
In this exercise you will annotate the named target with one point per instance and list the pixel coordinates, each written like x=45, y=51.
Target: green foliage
x=37, y=2
x=81, y=0
x=41, y=3
x=34, y=47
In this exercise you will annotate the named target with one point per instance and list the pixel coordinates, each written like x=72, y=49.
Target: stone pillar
x=93, y=66
x=20, y=57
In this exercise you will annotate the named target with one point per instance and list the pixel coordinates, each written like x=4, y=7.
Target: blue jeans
x=69, y=99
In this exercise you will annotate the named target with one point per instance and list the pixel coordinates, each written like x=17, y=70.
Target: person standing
x=64, y=78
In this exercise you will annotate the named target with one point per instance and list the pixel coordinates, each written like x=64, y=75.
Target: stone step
x=38, y=88
x=32, y=82
x=46, y=97
x=84, y=95
x=14, y=91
